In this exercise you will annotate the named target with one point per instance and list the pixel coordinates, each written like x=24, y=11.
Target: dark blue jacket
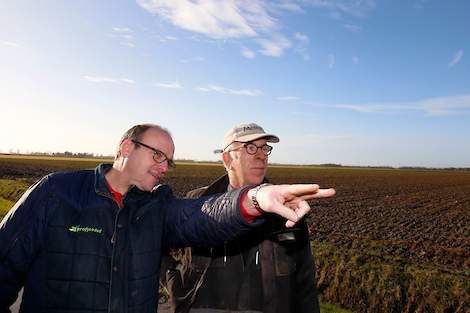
x=71, y=247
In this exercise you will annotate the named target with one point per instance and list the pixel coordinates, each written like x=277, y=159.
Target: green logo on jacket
x=79, y=229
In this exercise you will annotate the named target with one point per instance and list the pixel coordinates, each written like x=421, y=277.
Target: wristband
x=253, y=197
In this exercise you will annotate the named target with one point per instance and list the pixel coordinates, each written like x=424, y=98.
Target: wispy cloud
x=338, y=8
x=168, y=38
x=229, y=19
x=195, y=59
x=301, y=45
x=216, y=19
x=301, y=37
x=224, y=90
x=104, y=79
x=247, y=53
x=456, y=59
x=168, y=85
x=9, y=43
x=274, y=47
x=288, y=98
x=433, y=106
x=288, y=6
x=257, y=20
x=128, y=81
x=353, y=28
x=122, y=30
x=125, y=35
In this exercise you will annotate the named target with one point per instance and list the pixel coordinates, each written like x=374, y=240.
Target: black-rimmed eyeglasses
x=158, y=156
x=252, y=149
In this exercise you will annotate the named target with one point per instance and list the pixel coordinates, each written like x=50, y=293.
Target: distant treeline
x=86, y=155
x=415, y=168
x=65, y=154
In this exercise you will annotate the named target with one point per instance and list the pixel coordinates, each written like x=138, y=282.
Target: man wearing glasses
x=270, y=271
x=91, y=240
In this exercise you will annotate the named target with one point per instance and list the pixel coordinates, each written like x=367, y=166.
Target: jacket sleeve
x=207, y=221
x=21, y=237
x=306, y=296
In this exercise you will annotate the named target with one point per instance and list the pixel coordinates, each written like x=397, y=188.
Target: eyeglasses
x=252, y=149
x=158, y=156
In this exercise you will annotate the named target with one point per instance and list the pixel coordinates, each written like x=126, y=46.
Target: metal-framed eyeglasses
x=158, y=156
x=252, y=149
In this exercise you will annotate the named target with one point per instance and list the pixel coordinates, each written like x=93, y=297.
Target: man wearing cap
x=271, y=271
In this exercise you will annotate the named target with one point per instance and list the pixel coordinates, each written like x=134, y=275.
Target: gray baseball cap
x=245, y=133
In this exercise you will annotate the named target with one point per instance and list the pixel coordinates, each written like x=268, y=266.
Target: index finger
x=321, y=193
x=299, y=190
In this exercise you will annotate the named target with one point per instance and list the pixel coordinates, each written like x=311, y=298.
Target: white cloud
x=171, y=38
x=247, y=53
x=128, y=81
x=195, y=59
x=123, y=30
x=301, y=37
x=353, y=28
x=457, y=58
x=433, y=106
x=288, y=6
x=228, y=19
x=331, y=60
x=274, y=47
x=9, y=43
x=224, y=90
x=301, y=45
x=99, y=79
x=124, y=34
x=169, y=85
x=356, y=8
x=253, y=19
x=213, y=18
x=288, y=98
x=104, y=79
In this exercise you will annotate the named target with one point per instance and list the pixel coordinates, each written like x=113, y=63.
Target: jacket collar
x=100, y=180
x=133, y=194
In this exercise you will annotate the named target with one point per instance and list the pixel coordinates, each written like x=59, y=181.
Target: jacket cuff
x=245, y=215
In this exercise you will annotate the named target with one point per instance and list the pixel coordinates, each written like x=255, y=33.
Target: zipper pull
x=225, y=252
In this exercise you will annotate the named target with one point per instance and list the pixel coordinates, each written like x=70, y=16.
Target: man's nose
x=260, y=154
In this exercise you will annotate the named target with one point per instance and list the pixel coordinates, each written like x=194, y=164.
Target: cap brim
x=252, y=137
x=248, y=138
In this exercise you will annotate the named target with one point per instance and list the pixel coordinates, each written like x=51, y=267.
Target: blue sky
x=352, y=82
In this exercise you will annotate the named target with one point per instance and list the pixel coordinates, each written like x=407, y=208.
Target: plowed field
x=396, y=218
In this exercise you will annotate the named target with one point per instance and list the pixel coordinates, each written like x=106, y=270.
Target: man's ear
x=227, y=159
x=126, y=147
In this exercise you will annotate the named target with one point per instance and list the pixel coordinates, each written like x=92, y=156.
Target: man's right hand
x=288, y=201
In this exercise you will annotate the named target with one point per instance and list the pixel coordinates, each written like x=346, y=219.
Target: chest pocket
x=283, y=246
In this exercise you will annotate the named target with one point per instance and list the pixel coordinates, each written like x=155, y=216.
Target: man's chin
x=149, y=186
